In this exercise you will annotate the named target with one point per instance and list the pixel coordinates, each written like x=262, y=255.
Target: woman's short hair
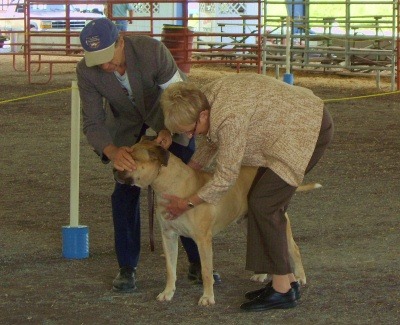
x=182, y=103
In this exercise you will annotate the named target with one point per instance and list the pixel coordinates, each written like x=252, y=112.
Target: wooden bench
x=215, y=54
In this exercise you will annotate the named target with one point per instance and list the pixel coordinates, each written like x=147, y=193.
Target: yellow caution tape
x=325, y=100
x=31, y=96
x=361, y=97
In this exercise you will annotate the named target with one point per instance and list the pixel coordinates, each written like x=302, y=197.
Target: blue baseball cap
x=98, y=39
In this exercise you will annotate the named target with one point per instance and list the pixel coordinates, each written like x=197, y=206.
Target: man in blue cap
x=130, y=72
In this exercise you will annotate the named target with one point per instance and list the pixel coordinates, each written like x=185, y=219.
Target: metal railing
x=237, y=34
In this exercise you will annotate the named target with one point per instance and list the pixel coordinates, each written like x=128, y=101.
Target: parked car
x=47, y=17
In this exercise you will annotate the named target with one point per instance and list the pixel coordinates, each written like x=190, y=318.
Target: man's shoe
x=255, y=293
x=125, y=280
x=194, y=274
x=270, y=299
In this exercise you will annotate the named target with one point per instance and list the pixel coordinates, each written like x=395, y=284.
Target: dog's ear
x=159, y=153
x=148, y=137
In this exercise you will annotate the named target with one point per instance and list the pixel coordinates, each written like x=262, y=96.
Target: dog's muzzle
x=121, y=178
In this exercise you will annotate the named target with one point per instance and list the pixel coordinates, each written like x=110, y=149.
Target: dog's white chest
x=179, y=226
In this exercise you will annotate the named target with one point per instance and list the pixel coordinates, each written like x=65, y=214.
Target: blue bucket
x=75, y=242
x=288, y=78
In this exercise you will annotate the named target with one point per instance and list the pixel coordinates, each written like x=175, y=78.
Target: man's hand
x=121, y=157
x=164, y=139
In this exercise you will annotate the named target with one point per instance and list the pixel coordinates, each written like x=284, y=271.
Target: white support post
x=288, y=44
x=75, y=144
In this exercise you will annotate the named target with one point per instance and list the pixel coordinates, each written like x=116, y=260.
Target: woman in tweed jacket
x=253, y=120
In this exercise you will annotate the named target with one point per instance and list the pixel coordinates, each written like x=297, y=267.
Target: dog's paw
x=207, y=301
x=299, y=274
x=259, y=277
x=301, y=279
x=166, y=295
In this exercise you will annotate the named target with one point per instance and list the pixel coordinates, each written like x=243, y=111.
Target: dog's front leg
x=206, y=257
x=170, y=246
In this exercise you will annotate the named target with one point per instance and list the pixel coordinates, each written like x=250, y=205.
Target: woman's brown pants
x=269, y=197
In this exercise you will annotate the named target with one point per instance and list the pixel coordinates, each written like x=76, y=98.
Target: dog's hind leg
x=294, y=254
x=255, y=277
x=263, y=277
x=206, y=257
x=170, y=246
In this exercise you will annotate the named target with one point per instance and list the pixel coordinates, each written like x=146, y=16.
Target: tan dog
x=167, y=174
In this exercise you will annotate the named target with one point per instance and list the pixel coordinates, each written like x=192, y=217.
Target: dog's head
x=149, y=158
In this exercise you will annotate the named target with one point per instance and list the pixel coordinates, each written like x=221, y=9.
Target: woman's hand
x=194, y=165
x=164, y=139
x=175, y=206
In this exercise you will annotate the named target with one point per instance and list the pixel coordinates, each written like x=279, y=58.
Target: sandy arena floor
x=348, y=231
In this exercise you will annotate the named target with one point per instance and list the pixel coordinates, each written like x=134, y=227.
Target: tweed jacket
x=149, y=64
x=257, y=120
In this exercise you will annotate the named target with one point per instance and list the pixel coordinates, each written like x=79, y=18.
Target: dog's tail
x=308, y=187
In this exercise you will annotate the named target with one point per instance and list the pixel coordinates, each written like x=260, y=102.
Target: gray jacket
x=149, y=64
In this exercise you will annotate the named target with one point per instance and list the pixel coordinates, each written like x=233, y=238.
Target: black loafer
x=255, y=293
x=194, y=274
x=270, y=299
x=125, y=280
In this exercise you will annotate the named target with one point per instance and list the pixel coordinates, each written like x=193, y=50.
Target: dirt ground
x=348, y=231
